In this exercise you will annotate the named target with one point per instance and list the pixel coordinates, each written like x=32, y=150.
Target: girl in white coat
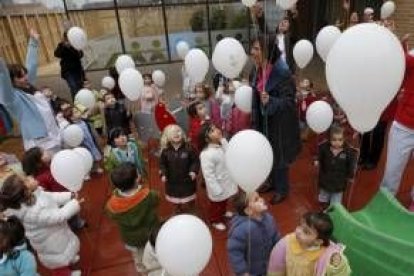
x=44, y=216
x=220, y=187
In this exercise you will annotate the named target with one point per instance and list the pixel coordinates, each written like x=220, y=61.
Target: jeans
x=74, y=81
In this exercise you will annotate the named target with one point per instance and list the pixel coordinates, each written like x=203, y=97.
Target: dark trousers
x=280, y=180
x=373, y=144
x=74, y=81
x=216, y=211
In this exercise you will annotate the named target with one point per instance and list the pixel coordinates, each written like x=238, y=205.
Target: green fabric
x=111, y=161
x=379, y=239
x=136, y=224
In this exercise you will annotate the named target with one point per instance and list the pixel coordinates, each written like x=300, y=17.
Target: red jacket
x=303, y=105
x=193, y=133
x=47, y=181
x=405, y=109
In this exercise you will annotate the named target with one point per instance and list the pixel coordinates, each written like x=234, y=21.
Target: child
x=149, y=97
x=9, y=165
x=305, y=97
x=336, y=161
x=178, y=169
x=44, y=216
x=252, y=235
x=232, y=119
x=220, y=186
x=203, y=94
x=198, y=116
x=309, y=251
x=94, y=115
x=16, y=259
x=134, y=209
x=116, y=114
x=36, y=163
x=121, y=149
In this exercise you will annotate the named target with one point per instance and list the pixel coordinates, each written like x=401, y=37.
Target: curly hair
x=167, y=136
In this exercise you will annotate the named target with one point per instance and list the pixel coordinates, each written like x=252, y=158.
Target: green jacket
x=135, y=215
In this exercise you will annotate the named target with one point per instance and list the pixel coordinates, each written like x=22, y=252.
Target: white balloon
x=243, y=98
x=86, y=157
x=184, y=245
x=77, y=38
x=108, y=83
x=286, y=4
x=182, y=48
x=131, y=83
x=326, y=39
x=73, y=135
x=123, y=62
x=249, y=3
x=364, y=71
x=86, y=98
x=303, y=53
x=319, y=116
x=249, y=159
x=68, y=169
x=158, y=77
x=229, y=57
x=196, y=65
x=387, y=9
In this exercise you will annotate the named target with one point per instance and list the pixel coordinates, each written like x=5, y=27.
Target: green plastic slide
x=379, y=239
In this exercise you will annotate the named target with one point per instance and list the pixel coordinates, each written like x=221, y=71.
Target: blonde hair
x=168, y=133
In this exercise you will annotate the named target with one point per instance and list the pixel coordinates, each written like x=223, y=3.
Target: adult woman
x=274, y=110
x=30, y=107
x=70, y=65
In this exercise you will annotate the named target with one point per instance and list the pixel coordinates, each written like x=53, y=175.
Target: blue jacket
x=250, y=243
x=19, y=103
x=21, y=263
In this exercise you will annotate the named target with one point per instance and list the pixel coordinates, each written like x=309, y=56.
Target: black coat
x=117, y=116
x=335, y=171
x=176, y=165
x=70, y=59
x=278, y=120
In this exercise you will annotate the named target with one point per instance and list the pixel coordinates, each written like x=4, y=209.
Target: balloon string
x=356, y=170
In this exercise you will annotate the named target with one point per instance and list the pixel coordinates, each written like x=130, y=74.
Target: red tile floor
x=102, y=252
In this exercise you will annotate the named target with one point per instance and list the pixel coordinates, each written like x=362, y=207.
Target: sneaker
x=76, y=273
x=219, y=226
x=229, y=214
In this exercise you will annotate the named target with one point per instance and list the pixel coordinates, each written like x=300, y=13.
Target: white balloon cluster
x=364, y=70
x=243, y=98
x=72, y=135
x=69, y=167
x=124, y=62
x=191, y=236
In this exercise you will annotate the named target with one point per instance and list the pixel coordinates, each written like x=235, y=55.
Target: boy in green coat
x=134, y=209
